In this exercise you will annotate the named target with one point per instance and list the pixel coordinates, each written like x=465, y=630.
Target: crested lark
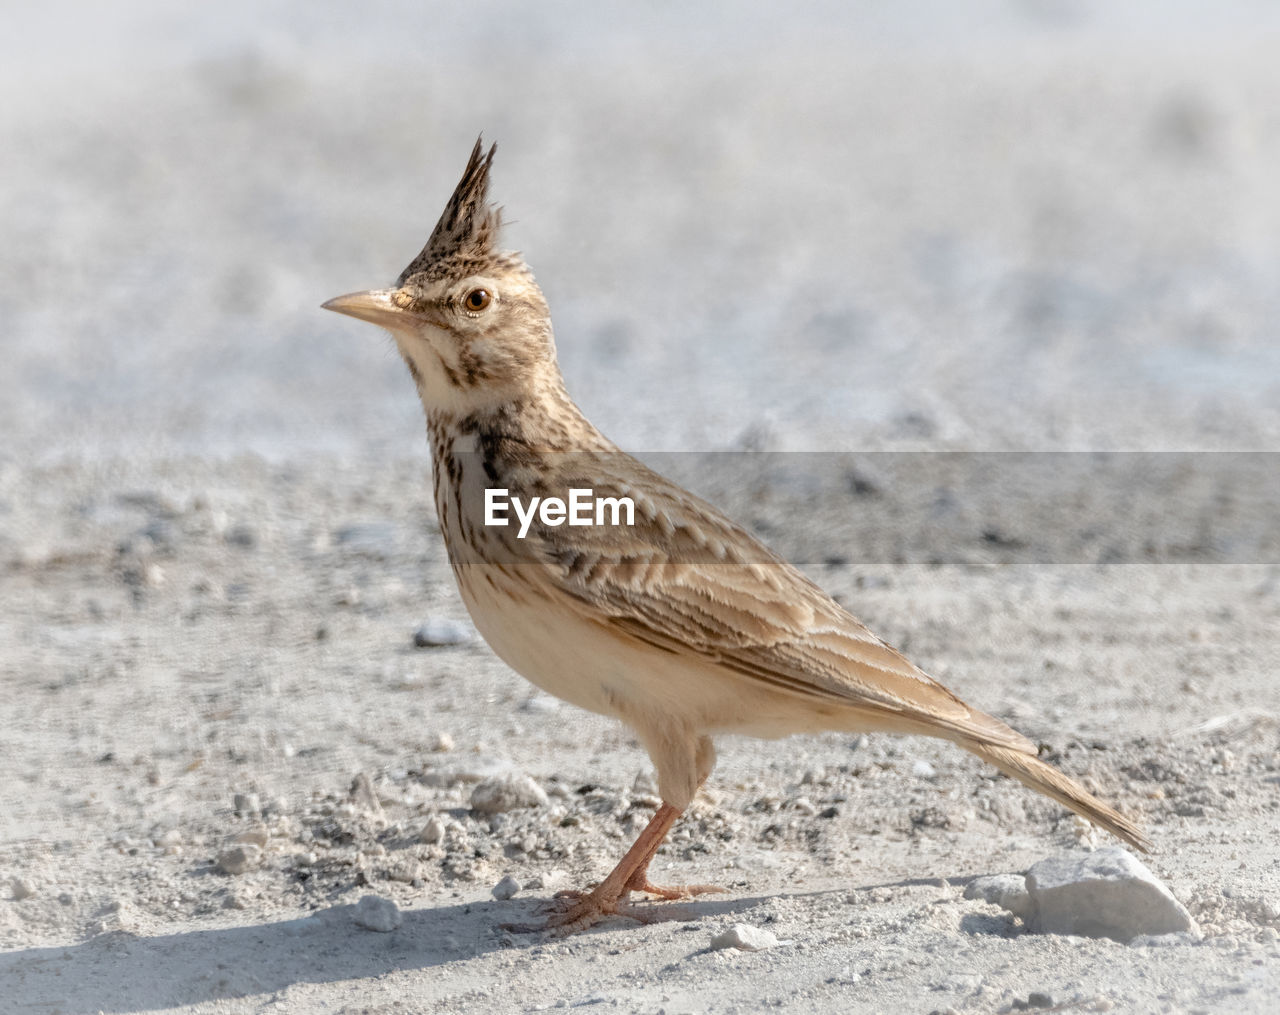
x=681, y=625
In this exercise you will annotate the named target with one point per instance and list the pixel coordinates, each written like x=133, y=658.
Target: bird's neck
x=544, y=420
x=513, y=445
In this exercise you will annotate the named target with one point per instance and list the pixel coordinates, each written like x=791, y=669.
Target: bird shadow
x=121, y=972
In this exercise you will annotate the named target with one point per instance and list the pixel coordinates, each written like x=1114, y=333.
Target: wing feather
x=685, y=578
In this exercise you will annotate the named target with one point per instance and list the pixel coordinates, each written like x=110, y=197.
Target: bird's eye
x=477, y=299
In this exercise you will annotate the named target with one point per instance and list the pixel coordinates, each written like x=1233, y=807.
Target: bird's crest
x=465, y=238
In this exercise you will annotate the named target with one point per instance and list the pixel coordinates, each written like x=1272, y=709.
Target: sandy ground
x=1056, y=229
x=180, y=634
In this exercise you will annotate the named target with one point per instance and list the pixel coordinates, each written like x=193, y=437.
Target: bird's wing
x=685, y=577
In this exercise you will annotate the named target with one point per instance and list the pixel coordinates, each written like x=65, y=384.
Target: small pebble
x=242, y=535
x=552, y=880
x=436, y=631
x=348, y=597
x=233, y=900
x=22, y=889
x=541, y=704
x=407, y=682
x=433, y=831
x=404, y=871
x=745, y=938
x=440, y=743
x=239, y=859
x=506, y=888
x=246, y=803
x=364, y=796
x=254, y=837
x=1008, y=891
x=373, y=912
x=923, y=770
x=374, y=539
x=507, y=793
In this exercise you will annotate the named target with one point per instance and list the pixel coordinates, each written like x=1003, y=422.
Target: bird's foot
x=572, y=911
x=671, y=892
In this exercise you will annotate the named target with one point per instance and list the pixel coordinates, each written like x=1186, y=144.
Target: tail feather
x=1044, y=778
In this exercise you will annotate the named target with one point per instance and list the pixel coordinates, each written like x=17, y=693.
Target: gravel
x=946, y=233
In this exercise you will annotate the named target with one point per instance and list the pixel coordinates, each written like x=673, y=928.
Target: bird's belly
x=602, y=671
x=551, y=648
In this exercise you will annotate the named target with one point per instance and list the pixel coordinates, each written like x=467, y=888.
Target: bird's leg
x=632, y=872
x=606, y=899
x=704, y=758
x=639, y=882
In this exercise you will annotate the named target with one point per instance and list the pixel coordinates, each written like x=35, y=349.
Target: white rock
x=507, y=793
x=22, y=889
x=923, y=770
x=239, y=859
x=373, y=912
x=1008, y=891
x=745, y=938
x=506, y=888
x=1107, y=893
x=436, y=631
x=432, y=831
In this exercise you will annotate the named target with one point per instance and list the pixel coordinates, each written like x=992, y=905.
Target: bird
x=681, y=624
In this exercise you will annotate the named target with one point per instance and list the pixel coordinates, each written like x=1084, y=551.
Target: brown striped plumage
x=682, y=625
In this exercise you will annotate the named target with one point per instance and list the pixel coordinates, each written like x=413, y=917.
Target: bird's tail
x=1044, y=778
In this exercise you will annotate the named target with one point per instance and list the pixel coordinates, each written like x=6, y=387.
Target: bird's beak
x=372, y=305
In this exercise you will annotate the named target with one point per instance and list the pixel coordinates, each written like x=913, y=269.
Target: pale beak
x=372, y=305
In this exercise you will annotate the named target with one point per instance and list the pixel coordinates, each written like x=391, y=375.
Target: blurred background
x=1004, y=224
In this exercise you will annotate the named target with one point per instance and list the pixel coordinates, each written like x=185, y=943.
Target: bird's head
x=468, y=317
